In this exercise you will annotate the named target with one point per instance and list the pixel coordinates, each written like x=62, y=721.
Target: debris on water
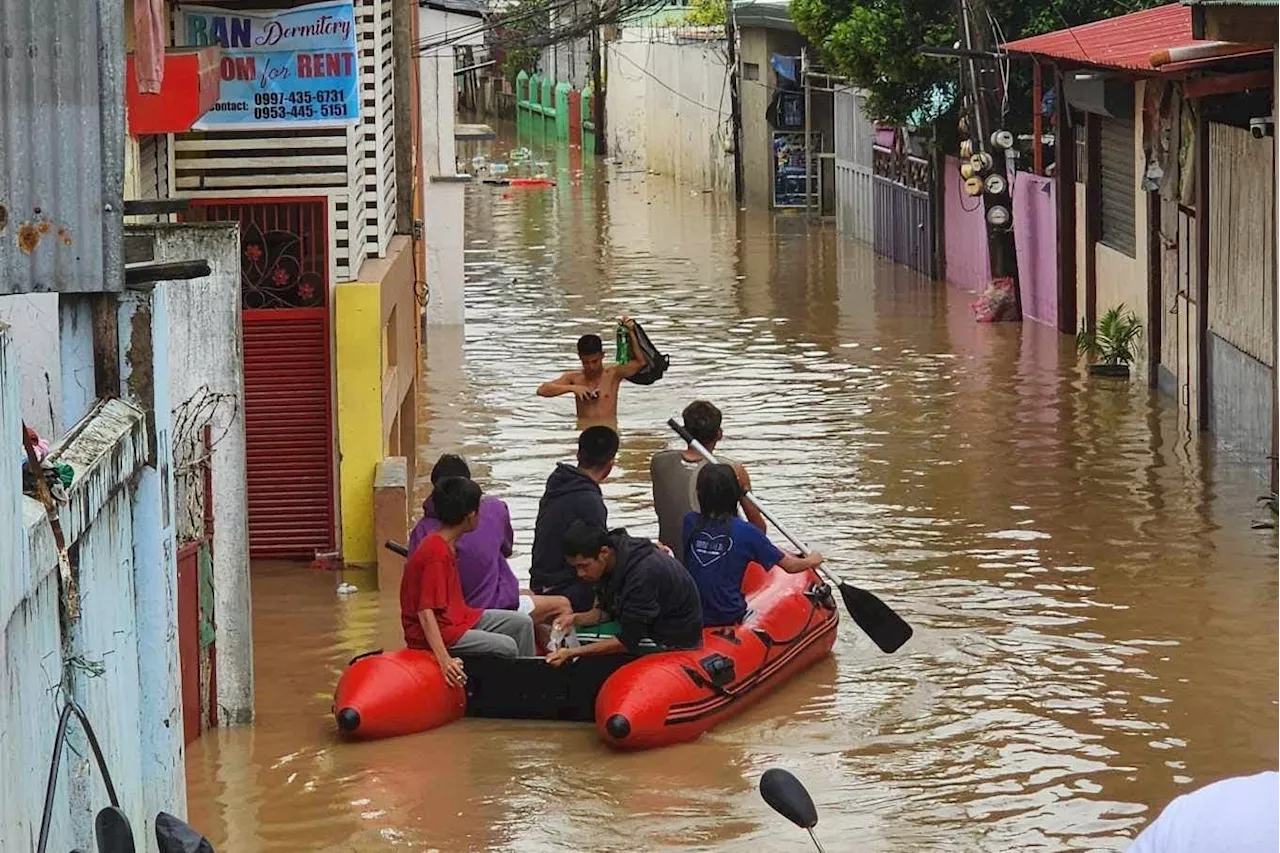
x=347, y=588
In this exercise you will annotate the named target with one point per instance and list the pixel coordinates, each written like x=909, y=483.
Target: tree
x=707, y=13
x=875, y=44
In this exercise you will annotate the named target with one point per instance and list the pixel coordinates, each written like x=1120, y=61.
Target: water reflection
x=1096, y=622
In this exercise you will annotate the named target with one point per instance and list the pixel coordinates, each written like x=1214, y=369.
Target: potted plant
x=1110, y=345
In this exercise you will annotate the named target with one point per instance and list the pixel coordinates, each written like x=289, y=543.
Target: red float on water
x=532, y=183
x=655, y=700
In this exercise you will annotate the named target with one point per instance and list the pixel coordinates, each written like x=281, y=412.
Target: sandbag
x=656, y=363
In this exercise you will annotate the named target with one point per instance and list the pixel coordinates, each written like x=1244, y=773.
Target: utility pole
x=808, y=135
x=735, y=103
x=597, y=82
x=983, y=100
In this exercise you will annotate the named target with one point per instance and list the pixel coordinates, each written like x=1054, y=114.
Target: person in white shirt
x=1240, y=815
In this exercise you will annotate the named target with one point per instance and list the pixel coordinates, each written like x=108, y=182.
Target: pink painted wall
x=1035, y=227
x=968, y=263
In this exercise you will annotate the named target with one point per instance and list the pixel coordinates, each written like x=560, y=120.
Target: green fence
x=552, y=112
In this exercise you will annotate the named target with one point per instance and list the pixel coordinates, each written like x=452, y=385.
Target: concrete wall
x=964, y=233
x=446, y=305
x=443, y=210
x=756, y=46
x=1121, y=279
x=669, y=106
x=1124, y=279
x=357, y=310
x=33, y=325
x=117, y=657
x=206, y=353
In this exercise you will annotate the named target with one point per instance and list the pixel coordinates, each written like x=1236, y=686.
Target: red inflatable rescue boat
x=636, y=703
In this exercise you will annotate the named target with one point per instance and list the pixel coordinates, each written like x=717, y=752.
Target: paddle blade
x=886, y=628
x=174, y=835
x=786, y=796
x=111, y=828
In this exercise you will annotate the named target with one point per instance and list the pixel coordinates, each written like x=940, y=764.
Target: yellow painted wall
x=357, y=364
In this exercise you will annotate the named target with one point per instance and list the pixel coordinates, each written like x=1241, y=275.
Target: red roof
x=1124, y=42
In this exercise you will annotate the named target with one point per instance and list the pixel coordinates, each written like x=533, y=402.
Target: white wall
x=445, y=273
x=33, y=322
x=207, y=353
x=669, y=108
x=444, y=198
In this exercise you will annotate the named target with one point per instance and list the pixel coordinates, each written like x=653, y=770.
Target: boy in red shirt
x=433, y=611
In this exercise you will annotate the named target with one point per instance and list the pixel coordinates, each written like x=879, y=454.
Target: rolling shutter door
x=1119, y=185
x=287, y=427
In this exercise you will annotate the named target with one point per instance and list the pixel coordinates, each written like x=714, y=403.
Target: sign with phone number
x=287, y=68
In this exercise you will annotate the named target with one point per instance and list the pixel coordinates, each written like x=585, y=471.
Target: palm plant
x=1113, y=340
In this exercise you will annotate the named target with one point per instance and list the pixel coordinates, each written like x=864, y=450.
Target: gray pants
x=502, y=633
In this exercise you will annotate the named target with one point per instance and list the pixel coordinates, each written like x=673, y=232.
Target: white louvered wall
x=354, y=167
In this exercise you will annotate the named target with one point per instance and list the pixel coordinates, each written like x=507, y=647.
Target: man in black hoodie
x=641, y=586
x=573, y=494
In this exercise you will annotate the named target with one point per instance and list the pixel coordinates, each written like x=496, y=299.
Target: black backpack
x=656, y=363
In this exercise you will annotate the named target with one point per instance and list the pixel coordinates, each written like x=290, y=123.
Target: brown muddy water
x=1096, y=620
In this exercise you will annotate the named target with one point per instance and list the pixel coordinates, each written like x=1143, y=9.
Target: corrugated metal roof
x=764, y=14
x=61, y=146
x=1231, y=2
x=1125, y=42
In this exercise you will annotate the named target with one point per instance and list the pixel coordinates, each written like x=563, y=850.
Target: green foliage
x=510, y=38
x=875, y=42
x=1112, y=342
x=707, y=13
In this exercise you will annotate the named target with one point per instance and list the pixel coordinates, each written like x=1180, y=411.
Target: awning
x=1153, y=41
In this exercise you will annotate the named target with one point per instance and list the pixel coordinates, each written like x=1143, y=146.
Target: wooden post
x=1202, y=265
x=1065, y=179
x=1155, y=298
x=1275, y=297
x=597, y=82
x=735, y=102
x=1037, y=120
x=1092, y=217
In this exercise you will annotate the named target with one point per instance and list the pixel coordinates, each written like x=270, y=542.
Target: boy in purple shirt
x=487, y=580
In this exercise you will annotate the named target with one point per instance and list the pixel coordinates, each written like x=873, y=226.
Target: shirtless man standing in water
x=595, y=387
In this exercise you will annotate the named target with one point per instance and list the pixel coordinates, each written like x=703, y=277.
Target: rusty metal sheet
x=61, y=146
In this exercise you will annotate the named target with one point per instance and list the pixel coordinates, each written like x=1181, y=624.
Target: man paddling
x=674, y=474
x=595, y=387
x=650, y=594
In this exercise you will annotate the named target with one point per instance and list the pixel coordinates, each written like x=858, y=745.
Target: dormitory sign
x=285, y=68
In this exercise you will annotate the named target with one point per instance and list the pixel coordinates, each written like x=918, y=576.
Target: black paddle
x=396, y=548
x=886, y=628
x=786, y=796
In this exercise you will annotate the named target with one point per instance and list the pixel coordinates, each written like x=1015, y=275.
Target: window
x=750, y=71
x=1116, y=157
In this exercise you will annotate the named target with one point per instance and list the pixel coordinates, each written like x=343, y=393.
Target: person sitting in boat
x=645, y=589
x=433, y=611
x=674, y=475
x=719, y=545
x=595, y=387
x=572, y=494
x=487, y=580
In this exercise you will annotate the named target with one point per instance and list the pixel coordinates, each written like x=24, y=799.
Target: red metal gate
x=284, y=285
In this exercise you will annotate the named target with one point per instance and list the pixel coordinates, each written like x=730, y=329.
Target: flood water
x=1096, y=621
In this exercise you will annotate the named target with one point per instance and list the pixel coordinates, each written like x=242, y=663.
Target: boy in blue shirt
x=719, y=545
